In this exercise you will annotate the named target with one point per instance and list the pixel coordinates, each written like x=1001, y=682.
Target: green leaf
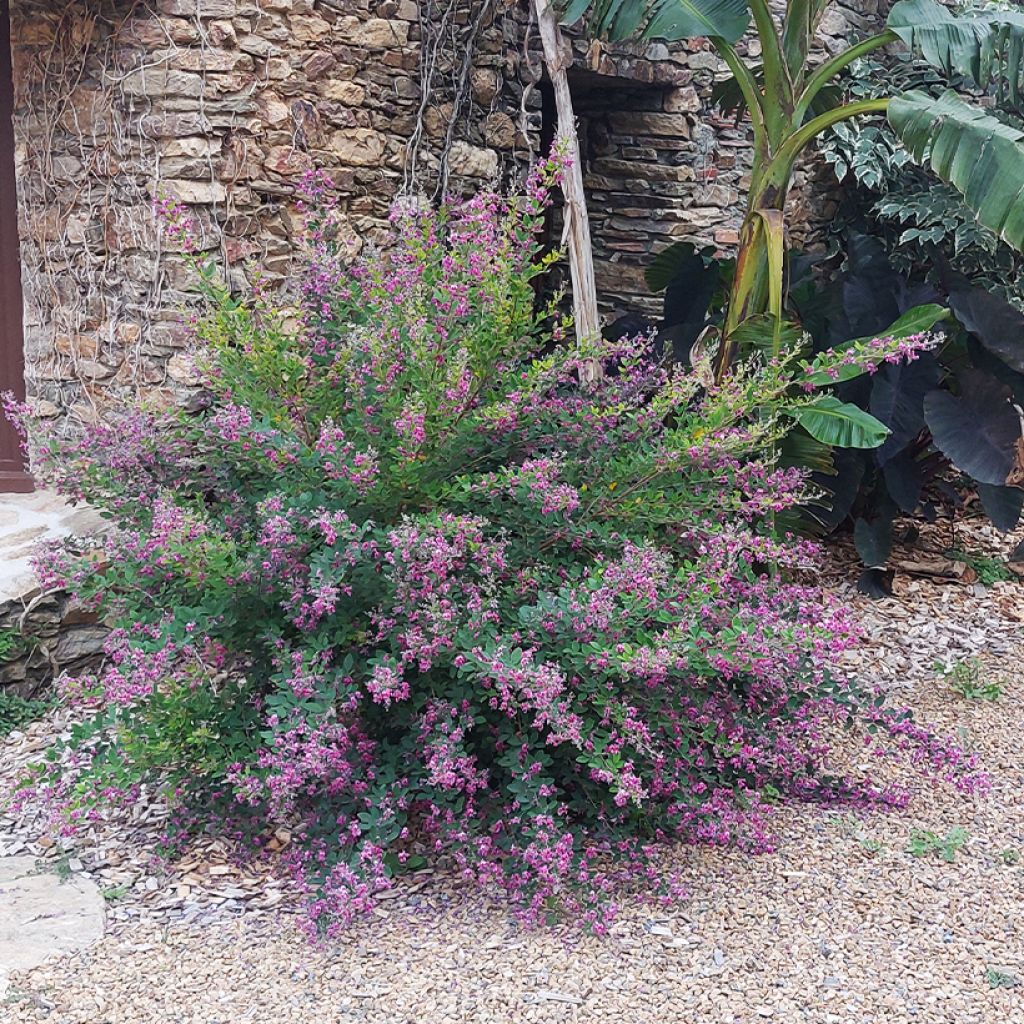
x=914, y=321
x=758, y=333
x=661, y=19
x=840, y=424
x=973, y=151
x=984, y=45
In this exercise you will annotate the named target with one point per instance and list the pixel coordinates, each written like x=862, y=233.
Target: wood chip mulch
x=841, y=925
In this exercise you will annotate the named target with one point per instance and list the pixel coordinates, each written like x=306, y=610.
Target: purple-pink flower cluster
x=413, y=587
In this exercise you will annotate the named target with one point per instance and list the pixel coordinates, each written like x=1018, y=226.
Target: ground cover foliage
x=399, y=581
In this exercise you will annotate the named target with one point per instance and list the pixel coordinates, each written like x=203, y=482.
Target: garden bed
x=855, y=917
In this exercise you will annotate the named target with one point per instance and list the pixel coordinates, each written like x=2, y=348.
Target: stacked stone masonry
x=225, y=103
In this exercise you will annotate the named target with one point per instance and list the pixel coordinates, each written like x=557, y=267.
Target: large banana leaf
x=661, y=19
x=971, y=150
x=840, y=424
x=985, y=45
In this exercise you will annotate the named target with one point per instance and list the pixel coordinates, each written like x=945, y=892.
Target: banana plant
x=968, y=148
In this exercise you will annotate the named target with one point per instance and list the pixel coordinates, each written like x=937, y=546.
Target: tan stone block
x=127, y=333
x=54, y=369
x=205, y=59
x=473, y=161
x=93, y=369
x=259, y=46
x=485, y=83
x=154, y=32
x=191, y=145
x=360, y=147
x=85, y=345
x=682, y=101
x=222, y=33
x=630, y=122
x=272, y=109
x=199, y=8
x=350, y=93
x=435, y=120
x=278, y=69
x=287, y=161
x=45, y=409
x=500, y=131
x=173, y=125
x=181, y=369
x=159, y=81
x=310, y=29
x=200, y=192
x=374, y=33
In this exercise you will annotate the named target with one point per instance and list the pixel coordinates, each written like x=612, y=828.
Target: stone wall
x=225, y=103
x=53, y=635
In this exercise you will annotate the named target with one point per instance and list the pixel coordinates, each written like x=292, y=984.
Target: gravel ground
x=842, y=924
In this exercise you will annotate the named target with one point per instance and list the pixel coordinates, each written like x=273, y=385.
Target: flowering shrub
x=406, y=585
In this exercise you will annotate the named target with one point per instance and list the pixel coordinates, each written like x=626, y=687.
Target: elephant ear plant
x=951, y=412
x=967, y=147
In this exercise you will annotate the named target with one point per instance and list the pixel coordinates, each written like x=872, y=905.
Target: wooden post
x=557, y=57
x=13, y=475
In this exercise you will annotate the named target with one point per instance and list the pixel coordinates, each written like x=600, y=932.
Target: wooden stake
x=557, y=57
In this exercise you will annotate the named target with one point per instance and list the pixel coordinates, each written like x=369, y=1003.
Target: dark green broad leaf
x=840, y=423
x=976, y=430
x=876, y=583
x=690, y=278
x=661, y=19
x=981, y=156
x=1002, y=505
x=872, y=297
x=997, y=325
x=681, y=261
x=801, y=450
x=897, y=400
x=840, y=488
x=904, y=480
x=873, y=540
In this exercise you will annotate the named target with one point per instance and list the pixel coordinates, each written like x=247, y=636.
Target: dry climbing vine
x=94, y=274
x=449, y=31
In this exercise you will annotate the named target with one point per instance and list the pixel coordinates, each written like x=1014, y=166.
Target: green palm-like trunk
x=965, y=146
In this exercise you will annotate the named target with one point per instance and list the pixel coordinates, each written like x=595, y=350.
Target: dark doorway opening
x=13, y=474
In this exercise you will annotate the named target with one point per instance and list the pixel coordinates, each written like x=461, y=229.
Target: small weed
x=10, y=642
x=16, y=711
x=115, y=893
x=61, y=867
x=922, y=843
x=998, y=978
x=988, y=569
x=1009, y=856
x=852, y=827
x=967, y=678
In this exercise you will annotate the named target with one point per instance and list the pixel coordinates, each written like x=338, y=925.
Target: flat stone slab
x=27, y=519
x=40, y=915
